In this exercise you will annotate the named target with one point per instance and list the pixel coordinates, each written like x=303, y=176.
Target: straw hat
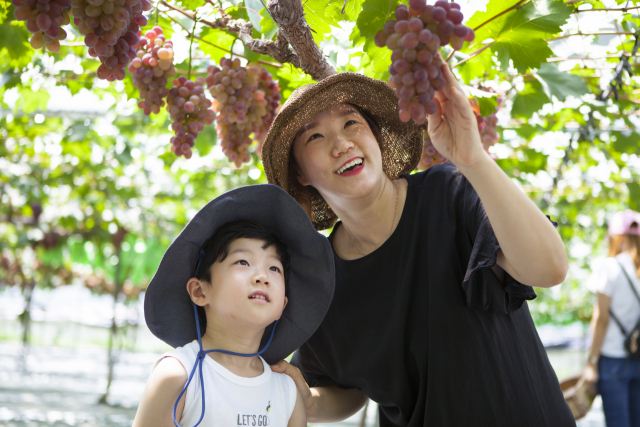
x=579, y=395
x=401, y=144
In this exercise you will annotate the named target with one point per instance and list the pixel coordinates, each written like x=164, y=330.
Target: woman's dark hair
x=298, y=190
x=217, y=247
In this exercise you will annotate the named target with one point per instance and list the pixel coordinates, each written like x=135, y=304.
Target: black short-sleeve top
x=423, y=326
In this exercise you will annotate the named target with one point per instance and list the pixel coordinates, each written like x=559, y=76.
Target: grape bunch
x=246, y=100
x=267, y=98
x=44, y=18
x=414, y=38
x=430, y=156
x=189, y=110
x=151, y=69
x=110, y=29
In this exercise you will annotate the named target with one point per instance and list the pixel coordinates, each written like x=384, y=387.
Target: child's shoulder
x=186, y=355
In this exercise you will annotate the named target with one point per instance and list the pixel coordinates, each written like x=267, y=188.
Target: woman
x=616, y=284
x=428, y=317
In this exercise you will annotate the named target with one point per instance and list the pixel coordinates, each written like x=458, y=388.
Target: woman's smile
x=351, y=167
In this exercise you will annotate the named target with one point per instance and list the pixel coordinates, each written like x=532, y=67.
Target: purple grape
x=439, y=14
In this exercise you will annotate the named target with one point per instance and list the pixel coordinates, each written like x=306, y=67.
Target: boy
x=258, y=280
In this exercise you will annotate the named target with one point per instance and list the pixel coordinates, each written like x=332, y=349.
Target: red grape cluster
x=430, y=156
x=44, y=18
x=151, y=69
x=246, y=99
x=189, y=110
x=414, y=38
x=110, y=30
x=267, y=97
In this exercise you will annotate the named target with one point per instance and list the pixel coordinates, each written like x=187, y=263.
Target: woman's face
x=338, y=154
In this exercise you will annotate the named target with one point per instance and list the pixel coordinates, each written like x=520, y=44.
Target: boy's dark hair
x=217, y=247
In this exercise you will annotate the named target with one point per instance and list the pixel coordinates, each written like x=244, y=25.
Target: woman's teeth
x=353, y=163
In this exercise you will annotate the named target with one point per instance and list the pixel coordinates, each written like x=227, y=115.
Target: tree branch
x=588, y=58
x=602, y=33
x=289, y=16
x=303, y=53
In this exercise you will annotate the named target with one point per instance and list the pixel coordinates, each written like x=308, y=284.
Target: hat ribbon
x=202, y=354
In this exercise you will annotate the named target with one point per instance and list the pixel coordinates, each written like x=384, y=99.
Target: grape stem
x=193, y=32
x=602, y=33
x=622, y=9
x=473, y=55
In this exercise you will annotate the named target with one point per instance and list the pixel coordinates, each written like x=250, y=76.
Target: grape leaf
x=217, y=43
x=634, y=195
x=320, y=23
x=481, y=65
x=559, y=83
x=529, y=100
x=351, y=10
x=269, y=26
x=519, y=34
x=373, y=17
x=254, y=7
x=14, y=38
x=487, y=105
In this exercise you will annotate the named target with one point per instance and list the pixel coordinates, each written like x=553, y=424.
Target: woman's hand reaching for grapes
x=453, y=128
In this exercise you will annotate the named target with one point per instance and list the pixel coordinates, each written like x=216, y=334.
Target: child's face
x=247, y=287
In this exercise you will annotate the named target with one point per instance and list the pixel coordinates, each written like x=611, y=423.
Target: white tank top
x=608, y=279
x=231, y=400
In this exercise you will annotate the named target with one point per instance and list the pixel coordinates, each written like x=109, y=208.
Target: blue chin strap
x=202, y=354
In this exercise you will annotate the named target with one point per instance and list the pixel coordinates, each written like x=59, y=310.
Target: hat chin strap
x=199, y=360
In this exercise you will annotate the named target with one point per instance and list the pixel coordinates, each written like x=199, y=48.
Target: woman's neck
x=368, y=222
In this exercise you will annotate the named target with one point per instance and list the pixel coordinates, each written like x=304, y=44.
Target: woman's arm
x=160, y=394
x=532, y=251
x=323, y=404
x=599, y=323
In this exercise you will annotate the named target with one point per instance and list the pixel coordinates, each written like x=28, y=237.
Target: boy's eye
x=242, y=262
x=276, y=269
x=349, y=122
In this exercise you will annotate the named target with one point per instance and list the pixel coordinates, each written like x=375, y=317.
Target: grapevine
x=189, y=110
x=151, y=69
x=414, y=38
x=44, y=18
x=246, y=100
x=110, y=28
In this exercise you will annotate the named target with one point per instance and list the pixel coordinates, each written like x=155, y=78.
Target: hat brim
x=168, y=308
x=401, y=145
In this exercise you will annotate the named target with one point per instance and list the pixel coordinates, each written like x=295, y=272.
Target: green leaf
x=31, y=101
x=529, y=100
x=373, y=17
x=628, y=142
x=217, y=43
x=269, y=26
x=488, y=106
x=14, y=37
x=520, y=33
x=351, y=10
x=634, y=195
x=254, y=7
x=320, y=23
x=524, y=51
x=481, y=66
x=560, y=83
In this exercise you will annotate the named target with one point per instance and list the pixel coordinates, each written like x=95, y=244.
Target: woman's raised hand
x=453, y=128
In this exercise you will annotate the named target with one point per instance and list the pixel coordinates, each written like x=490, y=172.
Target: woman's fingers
x=287, y=368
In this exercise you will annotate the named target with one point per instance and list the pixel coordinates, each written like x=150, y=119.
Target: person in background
x=617, y=311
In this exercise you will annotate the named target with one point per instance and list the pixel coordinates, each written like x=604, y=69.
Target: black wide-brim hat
x=168, y=308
